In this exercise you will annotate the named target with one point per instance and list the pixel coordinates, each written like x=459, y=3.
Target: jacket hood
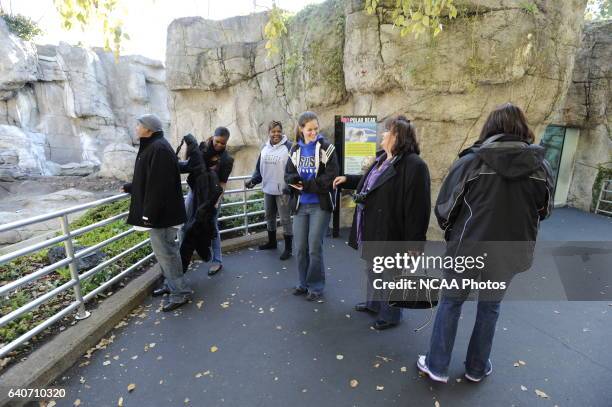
x=509, y=156
x=280, y=143
x=302, y=144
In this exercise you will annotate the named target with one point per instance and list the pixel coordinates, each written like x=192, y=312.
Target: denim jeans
x=166, y=250
x=377, y=301
x=309, y=226
x=216, y=242
x=445, y=330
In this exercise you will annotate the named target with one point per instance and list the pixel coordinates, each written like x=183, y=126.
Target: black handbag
x=423, y=296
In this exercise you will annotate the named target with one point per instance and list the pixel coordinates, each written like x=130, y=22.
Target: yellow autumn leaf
x=541, y=394
x=213, y=349
x=131, y=387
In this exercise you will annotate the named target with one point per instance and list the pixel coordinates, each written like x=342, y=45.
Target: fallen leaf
x=522, y=363
x=541, y=394
x=120, y=402
x=52, y=403
x=134, y=357
x=186, y=401
x=108, y=362
x=198, y=375
x=213, y=349
x=152, y=345
x=77, y=402
x=354, y=383
x=131, y=387
x=380, y=388
x=458, y=380
x=403, y=369
x=339, y=357
x=523, y=388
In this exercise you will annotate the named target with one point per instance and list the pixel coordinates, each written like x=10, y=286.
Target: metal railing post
x=82, y=313
x=246, y=217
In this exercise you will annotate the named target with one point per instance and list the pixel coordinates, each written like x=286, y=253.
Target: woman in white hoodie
x=270, y=170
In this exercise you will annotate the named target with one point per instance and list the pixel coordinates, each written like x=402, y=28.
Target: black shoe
x=271, y=242
x=299, y=291
x=214, y=269
x=158, y=292
x=314, y=297
x=362, y=307
x=288, y=251
x=171, y=306
x=381, y=325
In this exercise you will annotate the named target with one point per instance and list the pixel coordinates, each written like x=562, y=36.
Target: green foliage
x=275, y=29
x=598, y=10
x=418, y=16
x=312, y=58
x=239, y=209
x=101, y=13
x=22, y=26
x=529, y=7
x=28, y=264
x=604, y=173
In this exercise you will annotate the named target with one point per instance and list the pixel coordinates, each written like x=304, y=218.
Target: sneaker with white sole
x=487, y=372
x=422, y=366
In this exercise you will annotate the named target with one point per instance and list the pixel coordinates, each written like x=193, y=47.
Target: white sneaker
x=422, y=366
x=487, y=372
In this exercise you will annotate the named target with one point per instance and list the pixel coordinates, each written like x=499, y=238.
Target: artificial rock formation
x=337, y=59
x=63, y=109
x=588, y=106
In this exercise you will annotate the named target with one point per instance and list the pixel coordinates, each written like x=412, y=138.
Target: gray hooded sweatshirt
x=270, y=167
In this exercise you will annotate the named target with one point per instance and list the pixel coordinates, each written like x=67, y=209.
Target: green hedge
x=28, y=264
x=238, y=209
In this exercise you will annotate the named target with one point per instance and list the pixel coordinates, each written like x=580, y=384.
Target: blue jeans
x=309, y=226
x=216, y=242
x=166, y=250
x=445, y=330
x=376, y=302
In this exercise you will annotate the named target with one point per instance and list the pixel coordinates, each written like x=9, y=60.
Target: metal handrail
x=602, y=194
x=67, y=237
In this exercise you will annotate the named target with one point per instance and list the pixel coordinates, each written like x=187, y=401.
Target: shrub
x=22, y=26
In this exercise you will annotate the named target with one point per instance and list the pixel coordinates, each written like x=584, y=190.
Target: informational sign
x=359, y=136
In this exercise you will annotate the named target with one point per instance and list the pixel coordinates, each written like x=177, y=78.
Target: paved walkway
x=246, y=341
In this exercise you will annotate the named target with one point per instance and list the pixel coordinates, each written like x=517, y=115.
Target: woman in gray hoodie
x=270, y=171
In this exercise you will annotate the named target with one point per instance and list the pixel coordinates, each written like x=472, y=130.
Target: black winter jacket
x=497, y=191
x=157, y=198
x=398, y=206
x=327, y=170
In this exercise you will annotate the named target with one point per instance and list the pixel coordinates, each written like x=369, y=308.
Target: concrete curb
x=48, y=362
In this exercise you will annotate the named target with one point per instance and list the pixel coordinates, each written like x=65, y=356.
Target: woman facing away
x=393, y=204
x=498, y=190
x=270, y=171
x=310, y=172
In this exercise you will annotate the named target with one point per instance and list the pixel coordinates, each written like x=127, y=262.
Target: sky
x=146, y=21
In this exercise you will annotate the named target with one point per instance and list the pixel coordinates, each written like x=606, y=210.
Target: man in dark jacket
x=204, y=190
x=217, y=159
x=157, y=206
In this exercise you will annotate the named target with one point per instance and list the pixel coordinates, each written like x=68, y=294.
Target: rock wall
x=589, y=107
x=337, y=59
x=66, y=110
